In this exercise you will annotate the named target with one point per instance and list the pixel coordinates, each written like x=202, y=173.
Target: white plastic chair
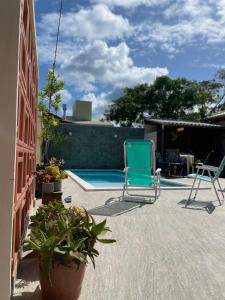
x=209, y=174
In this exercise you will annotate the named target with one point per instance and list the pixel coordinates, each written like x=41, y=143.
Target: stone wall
x=94, y=147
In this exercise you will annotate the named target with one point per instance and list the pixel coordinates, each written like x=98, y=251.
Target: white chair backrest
x=221, y=167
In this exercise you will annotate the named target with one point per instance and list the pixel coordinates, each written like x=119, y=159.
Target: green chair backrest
x=138, y=159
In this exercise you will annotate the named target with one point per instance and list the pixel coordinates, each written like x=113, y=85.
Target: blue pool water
x=102, y=178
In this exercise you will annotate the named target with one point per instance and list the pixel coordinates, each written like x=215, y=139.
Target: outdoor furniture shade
x=140, y=170
x=209, y=174
x=162, y=164
x=174, y=160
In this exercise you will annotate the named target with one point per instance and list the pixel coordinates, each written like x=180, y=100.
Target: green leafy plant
x=54, y=170
x=46, y=178
x=56, y=162
x=62, y=175
x=48, y=106
x=61, y=235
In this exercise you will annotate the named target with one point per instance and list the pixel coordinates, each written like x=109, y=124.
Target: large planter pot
x=38, y=189
x=65, y=282
x=47, y=187
x=58, y=186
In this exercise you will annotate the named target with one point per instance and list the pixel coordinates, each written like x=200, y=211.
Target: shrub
x=61, y=235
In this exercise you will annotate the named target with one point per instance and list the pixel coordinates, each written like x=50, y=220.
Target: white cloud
x=213, y=66
x=76, y=29
x=184, y=23
x=67, y=99
x=46, y=48
x=221, y=9
x=101, y=101
x=109, y=65
x=66, y=96
x=130, y=3
x=97, y=22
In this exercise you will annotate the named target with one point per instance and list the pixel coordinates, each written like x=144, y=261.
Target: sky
x=107, y=45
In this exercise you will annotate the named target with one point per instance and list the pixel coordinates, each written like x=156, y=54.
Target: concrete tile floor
x=163, y=251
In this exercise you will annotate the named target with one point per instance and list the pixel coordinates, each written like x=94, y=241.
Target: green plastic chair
x=139, y=158
x=209, y=174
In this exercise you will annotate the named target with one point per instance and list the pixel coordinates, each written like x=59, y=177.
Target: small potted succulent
x=57, y=162
x=63, y=239
x=47, y=183
x=49, y=178
x=58, y=175
x=58, y=181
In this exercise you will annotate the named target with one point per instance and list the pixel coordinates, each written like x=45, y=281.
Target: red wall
x=26, y=131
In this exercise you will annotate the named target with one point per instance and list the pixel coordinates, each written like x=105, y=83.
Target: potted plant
x=57, y=162
x=38, y=184
x=47, y=183
x=58, y=175
x=63, y=239
x=58, y=181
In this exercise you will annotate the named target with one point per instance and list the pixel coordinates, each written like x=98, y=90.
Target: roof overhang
x=217, y=117
x=180, y=123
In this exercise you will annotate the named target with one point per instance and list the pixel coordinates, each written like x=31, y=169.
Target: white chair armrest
x=158, y=171
x=207, y=168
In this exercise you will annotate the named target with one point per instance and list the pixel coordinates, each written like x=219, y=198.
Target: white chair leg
x=123, y=190
x=221, y=190
x=192, y=189
x=197, y=189
x=217, y=195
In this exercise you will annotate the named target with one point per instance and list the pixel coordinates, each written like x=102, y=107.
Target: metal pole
x=162, y=140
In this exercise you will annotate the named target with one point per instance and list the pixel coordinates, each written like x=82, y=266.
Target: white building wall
x=9, y=49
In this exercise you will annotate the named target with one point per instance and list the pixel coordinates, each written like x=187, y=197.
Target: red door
x=26, y=129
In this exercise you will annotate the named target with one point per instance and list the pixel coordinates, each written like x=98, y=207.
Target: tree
x=166, y=98
x=219, y=84
x=48, y=106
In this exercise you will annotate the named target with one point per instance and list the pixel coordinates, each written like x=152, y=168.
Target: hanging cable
x=56, y=48
x=57, y=37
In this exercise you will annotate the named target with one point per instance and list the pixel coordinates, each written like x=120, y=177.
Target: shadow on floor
x=199, y=205
x=27, y=275
x=114, y=207
x=34, y=295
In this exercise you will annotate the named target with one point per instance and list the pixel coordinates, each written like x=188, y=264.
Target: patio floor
x=163, y=251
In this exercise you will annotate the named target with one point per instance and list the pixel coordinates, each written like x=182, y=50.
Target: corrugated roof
x=92, y=122
x=218, y=116
x=181, y=123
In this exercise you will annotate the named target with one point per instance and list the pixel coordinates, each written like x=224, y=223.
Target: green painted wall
x=94, y=147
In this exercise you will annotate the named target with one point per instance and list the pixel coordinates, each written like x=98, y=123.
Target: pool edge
x=90, y=188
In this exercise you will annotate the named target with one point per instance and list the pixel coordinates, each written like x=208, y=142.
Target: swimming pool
x=112, y=180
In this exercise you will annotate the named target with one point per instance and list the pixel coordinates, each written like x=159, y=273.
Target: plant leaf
x=106, y=241
x=99, y=228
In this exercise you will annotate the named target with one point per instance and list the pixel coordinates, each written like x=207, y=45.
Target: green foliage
x=165, y=98
x=61, y=235
x=49, y=96
x=56, y=162
x=55, y=172
x=49, y=100
x=45, y=178
x=219, y=82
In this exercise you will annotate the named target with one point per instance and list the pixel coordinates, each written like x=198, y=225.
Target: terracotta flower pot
x=66, y=282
